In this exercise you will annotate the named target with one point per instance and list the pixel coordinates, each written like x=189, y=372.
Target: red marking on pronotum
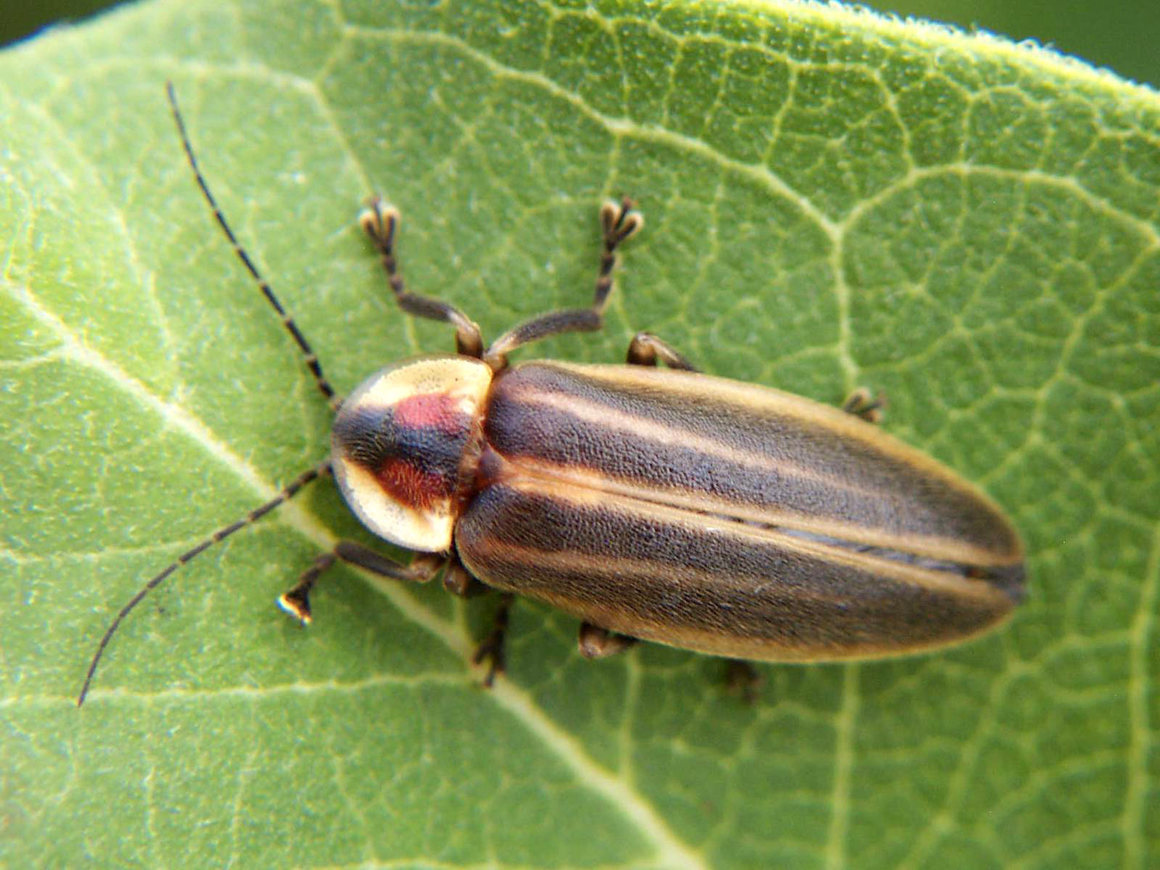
x=410, y=485
x=435, y=410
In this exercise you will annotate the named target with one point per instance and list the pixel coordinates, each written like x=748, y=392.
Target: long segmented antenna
x=308, y=354
x=220, y=535
x=311, y=362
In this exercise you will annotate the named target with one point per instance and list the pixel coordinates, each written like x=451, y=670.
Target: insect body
x=658, y=504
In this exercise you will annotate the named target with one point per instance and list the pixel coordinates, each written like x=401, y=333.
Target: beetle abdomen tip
x=1010, y=579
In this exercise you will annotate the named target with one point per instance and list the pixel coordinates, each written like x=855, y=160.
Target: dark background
x=1123, y=35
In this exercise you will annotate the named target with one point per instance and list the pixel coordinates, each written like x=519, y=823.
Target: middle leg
x=492, y=648
x=645, y=349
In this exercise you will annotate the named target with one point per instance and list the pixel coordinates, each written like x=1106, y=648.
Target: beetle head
x=405, y=442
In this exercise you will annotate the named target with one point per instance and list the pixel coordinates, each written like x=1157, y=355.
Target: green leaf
x=832, y=199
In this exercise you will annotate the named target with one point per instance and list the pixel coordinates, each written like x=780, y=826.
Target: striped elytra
x=650, y=503
x=728, y=518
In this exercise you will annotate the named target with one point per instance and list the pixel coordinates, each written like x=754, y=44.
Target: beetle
x=658, y=504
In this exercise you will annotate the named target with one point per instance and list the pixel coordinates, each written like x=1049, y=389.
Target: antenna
x=308, y=354
x=220, y=535
x=312, y=363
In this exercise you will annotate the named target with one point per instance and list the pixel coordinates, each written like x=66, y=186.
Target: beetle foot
x=599, y=643
x=491, y=648
x=862, y=403
x=619, y=220
x=743, y=680
x=379, y=220
x=296, y=601
x=645, y=349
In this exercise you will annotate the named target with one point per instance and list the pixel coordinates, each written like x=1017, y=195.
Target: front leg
x=296, y=601
x=619, y=221
x=380, y=222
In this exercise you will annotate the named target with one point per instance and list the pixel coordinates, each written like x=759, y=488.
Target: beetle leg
x=458, y=580
x=743, y=679
x=599, y=643
x=619, y=221
x=645, y=349
x=380, y=221
x=492, y=646
x=862, y=403
x=296, y=601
